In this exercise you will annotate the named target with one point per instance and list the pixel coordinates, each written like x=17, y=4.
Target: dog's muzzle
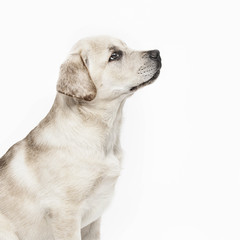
x=154, y=55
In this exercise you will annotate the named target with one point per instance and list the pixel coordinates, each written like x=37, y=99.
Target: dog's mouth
x=154, y=77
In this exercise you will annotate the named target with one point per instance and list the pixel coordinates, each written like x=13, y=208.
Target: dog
x=56, y=182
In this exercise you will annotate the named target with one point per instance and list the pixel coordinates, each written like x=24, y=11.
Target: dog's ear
x=74, y=79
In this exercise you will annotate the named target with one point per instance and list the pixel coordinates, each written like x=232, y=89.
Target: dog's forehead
x=96, y=44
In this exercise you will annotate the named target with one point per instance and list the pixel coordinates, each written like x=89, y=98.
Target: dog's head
x=105, y=67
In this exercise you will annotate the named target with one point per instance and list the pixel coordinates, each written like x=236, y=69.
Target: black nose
x=154, y=55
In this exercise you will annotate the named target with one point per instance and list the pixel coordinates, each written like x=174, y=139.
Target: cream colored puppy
x=56, y=183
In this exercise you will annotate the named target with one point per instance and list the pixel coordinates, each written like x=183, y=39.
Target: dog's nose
x=154, y=55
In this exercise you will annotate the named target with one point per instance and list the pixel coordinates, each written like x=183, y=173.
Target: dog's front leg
x=91, y=231
x=66, y=225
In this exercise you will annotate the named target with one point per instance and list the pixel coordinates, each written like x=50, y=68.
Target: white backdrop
x=181, y=135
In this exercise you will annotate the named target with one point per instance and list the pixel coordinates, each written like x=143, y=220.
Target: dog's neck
x=103, y=112
x=72, y=121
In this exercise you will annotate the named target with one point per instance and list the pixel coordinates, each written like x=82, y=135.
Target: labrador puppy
x=56, y=182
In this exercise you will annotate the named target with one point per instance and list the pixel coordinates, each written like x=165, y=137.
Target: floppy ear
x=74, y=79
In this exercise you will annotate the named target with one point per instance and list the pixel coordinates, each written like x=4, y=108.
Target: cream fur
x=56, y=183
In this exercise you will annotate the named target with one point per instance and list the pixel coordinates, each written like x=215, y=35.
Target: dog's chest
x=101, y=193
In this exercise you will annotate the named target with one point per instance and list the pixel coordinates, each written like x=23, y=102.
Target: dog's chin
x=151, y=80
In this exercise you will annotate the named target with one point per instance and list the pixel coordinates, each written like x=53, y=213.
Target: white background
x=181, y=135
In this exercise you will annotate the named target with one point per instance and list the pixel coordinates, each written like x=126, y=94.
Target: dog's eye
x=115, y=56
